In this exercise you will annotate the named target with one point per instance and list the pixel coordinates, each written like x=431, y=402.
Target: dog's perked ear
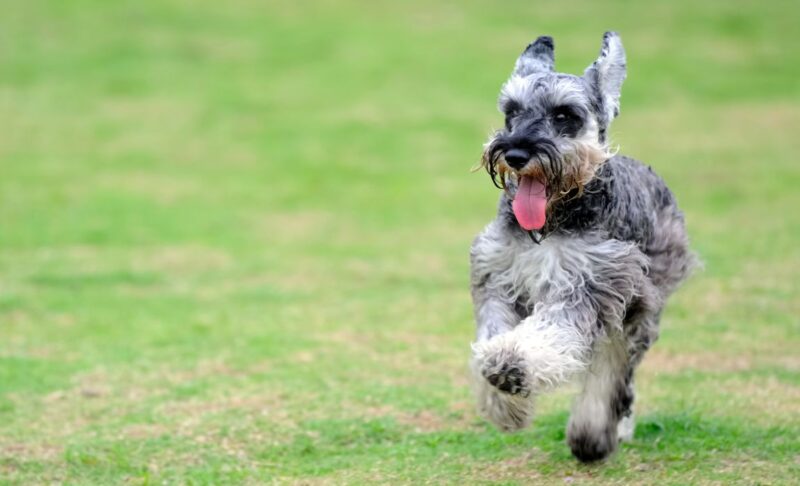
x=538, y=57
x=606, y=75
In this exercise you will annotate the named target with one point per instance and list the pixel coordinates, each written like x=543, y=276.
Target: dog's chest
x=525, y=271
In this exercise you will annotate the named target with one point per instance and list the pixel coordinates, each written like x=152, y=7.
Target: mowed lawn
x=234, y=240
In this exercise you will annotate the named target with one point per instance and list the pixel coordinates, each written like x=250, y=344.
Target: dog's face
x=555, y=129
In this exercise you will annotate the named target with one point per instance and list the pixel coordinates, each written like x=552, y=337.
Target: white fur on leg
x=591, y=411
x=549, y=354
x=545, y=354
x=625, y=428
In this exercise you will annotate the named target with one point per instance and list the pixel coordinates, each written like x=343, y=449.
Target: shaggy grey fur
x=580, y=297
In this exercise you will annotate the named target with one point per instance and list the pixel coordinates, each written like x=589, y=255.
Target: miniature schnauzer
x=570, y=279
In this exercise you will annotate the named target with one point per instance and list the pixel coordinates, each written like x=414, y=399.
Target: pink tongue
x=529, y=203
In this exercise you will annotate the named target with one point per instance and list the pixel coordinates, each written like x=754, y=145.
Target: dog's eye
x=563, y=114
x=566, y=120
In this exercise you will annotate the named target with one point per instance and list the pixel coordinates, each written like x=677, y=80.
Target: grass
x=233, y=240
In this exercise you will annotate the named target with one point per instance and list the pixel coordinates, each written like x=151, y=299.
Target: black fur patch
x=591, y=447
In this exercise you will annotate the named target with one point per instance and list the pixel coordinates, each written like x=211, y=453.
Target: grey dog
x=570, y=279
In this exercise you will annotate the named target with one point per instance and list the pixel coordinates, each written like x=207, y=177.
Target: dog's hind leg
x=641, y=331
x=607, y=395
x=602, y=414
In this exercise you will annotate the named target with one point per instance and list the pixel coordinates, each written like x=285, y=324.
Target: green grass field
x=234, y=240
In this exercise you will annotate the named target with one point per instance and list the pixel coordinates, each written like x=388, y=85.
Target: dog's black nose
x=517, y=158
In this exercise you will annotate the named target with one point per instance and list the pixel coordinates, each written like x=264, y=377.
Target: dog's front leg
x=498, y=385
x=544, y=350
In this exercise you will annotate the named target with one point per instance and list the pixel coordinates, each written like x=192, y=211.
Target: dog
x=569, y=280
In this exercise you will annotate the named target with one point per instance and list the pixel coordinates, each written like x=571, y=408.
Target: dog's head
x=554, y=138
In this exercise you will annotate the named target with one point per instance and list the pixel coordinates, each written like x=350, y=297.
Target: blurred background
x=234, y=239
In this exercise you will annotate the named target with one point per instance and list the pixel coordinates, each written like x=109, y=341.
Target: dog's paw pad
x=509, y=379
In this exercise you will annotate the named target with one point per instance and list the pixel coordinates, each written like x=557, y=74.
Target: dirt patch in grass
x=460, y=415
x=143, y=431
x=193, y=410
x=520, y=468
x=767, y=397
x=662, y=361
x=404, y=358
x=181, y=259
x=732, y=126
x=296, y=226
x=423, y=421
x=20, y=451
x=659, y=361
x=161, y=189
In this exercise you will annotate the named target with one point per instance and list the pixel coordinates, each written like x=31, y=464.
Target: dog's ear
x=538, y=57
x=606, y=75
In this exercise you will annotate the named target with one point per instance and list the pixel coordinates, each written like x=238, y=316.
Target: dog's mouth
x=548, y=176
x=530, y=202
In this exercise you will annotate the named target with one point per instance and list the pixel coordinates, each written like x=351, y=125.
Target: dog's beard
x=563, y=171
